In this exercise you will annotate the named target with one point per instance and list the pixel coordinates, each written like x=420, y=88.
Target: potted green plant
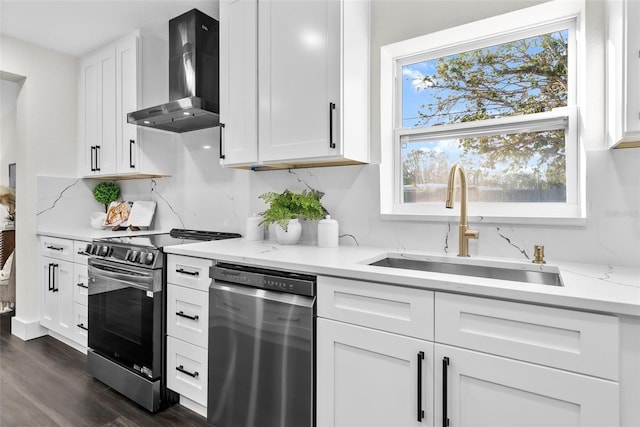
x=106, y=192
x=287, y=208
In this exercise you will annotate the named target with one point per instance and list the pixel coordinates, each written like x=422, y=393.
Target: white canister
x=328, y=233
x=254, y=230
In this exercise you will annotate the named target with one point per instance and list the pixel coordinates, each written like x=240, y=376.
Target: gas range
x=143, y=251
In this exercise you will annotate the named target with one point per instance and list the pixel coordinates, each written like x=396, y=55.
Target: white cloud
x=417, y=78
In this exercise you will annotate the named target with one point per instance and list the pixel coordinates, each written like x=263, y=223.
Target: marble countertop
x=88, y=234
x=600, y=288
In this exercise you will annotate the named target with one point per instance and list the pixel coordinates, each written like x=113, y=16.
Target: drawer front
x=79, y=255
x=56, y=248
x=404, y=311
x=187, y=371
x=188, y=315
x=80, y=284
x=81, y=324
x=572, y=340
x=189, y=271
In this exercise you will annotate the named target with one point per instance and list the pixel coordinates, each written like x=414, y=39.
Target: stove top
x=144, y=250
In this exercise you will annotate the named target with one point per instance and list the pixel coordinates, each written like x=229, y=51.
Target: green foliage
x=106, y=192
x=288, y=205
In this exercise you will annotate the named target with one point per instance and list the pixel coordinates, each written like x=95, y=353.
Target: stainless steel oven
x=127, y=313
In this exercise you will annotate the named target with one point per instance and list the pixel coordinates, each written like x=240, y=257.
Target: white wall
x=46, y=128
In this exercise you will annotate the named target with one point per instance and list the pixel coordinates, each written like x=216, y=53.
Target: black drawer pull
x=82, y=285
x=222, y=156
x=55, y=248
x=184, y=371
x=50, y=281
x=190, y=273
x=81, y=326
x=181, y=314
x=131, y=164
x=53, y=286
x=332, y=107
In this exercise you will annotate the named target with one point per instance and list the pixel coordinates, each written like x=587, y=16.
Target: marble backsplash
x=203, y=195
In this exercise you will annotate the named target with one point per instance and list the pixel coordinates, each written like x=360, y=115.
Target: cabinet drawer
x=79, y=255
x=188, y=314
x=81, y=324
x=56, y=248
x=187, y=370
x=404, y=311
x=189, y=271
x=566, y=339
x=80, y=284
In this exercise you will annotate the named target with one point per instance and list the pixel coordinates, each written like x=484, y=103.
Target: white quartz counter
x=587, y=287
x=88, y=234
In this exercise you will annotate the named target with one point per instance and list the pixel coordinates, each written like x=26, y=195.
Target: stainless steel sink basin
x=529, y=275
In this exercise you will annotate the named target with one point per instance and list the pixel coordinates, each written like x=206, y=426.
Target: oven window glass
x=124, y=314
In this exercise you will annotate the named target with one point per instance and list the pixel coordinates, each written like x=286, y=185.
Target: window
x=500, y=97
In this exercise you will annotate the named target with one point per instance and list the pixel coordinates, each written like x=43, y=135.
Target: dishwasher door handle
x=281, y=297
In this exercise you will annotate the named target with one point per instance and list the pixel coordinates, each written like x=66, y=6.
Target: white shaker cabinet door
x=372, y=378
x=299, y=79
x=491, y=391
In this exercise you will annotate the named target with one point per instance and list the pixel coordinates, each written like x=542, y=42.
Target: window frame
x=536, y=20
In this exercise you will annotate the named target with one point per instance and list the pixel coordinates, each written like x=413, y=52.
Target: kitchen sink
x=525, y=274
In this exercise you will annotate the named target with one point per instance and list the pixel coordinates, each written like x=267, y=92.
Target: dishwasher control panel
x=257, y=277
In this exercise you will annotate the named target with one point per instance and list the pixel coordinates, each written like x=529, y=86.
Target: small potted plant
x=104, y=193
x=287, y=208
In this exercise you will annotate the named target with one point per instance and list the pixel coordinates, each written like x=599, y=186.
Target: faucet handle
x=538, y=254
x=471, y=234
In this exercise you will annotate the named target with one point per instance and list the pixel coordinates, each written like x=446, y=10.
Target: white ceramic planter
x=292, y=235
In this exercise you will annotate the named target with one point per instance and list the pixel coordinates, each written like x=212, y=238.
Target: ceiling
x=76, y=27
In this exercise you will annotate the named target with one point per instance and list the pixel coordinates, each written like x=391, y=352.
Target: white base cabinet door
x=57, y=302
x=477, y=389
x=372, y=378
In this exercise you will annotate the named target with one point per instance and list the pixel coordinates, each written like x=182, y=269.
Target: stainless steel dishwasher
x=261, y=347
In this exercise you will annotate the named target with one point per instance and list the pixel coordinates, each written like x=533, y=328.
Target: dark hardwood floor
x=44, y=382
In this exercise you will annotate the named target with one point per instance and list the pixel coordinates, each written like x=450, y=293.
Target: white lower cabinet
x=188, y=329
x=492, y=391
x=57, y=295
x=486, y=362
x=372, y=378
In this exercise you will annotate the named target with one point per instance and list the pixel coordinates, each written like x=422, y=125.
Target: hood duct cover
x=194, y=94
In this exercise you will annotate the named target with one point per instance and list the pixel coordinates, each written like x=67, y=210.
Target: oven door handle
x=135, y=278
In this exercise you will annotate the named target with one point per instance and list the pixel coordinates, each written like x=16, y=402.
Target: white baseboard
x=27, y=330
x=195, y=407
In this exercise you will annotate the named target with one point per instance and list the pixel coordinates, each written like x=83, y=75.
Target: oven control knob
x=134, y=256
x=104, y=250
x=148, y=259
x=94, y=249
x=87, y=249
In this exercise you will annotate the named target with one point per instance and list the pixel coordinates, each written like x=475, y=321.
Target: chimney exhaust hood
x=194, y=94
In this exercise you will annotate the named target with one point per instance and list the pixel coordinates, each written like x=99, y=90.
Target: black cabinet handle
x=420, y=410
x=190, y=273
x=93, y=154
x=131, y=164
x=50, y=280
x=55, y=248
x=97, y=158
x=181, y=314
x=222, y=156
x=82, y=285
x=81, y=326
x=184, y=371
x=332, y=106
x=53, y=286
x=445, y=418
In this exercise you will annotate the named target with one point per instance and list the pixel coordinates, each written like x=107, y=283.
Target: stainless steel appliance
x=261, y=347
x=194, y=94
x=127, y=313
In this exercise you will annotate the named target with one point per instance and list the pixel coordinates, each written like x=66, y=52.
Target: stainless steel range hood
x=194, y=94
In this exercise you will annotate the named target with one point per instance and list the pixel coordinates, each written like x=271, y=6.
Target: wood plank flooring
x=44, y=382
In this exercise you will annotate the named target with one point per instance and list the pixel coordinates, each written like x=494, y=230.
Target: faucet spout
x=464, y=232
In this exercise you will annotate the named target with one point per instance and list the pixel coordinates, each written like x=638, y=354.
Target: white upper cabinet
x=239, y=83
x=294, y=82
x=125, y=76
x=623, y=73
